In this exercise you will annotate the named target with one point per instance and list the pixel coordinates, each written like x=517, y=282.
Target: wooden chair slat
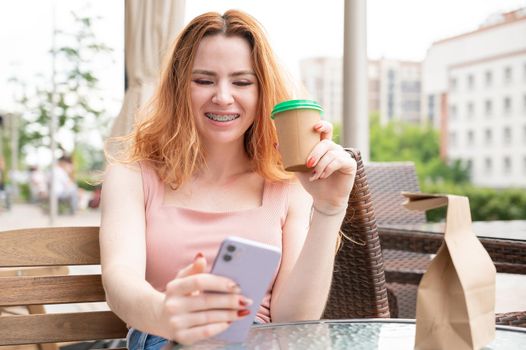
x=50, y=246
x=51, y=290
x=52, y=328
x=34, y=271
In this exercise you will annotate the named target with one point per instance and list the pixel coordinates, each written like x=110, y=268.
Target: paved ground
x=511, y=289
x=30, y=215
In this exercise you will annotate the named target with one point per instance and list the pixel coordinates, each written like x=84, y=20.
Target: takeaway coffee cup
x=294, y=120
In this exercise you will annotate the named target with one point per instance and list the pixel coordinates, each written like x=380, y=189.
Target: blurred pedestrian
x=65, y=185
x=38, y=190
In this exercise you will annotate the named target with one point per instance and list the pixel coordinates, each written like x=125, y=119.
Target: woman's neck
x=224, y=162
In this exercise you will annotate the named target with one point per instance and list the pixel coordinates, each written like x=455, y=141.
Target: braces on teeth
x=222, y=118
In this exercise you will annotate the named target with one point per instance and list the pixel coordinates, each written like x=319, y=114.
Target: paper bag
x=455, y=306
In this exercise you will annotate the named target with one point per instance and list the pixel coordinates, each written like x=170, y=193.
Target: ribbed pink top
x=175, y=235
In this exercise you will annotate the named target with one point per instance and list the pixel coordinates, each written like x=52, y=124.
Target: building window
x=431, y=108
x=452, y=84
x=470, y=110
x=488, y=136
x=488, y=108
x=506, y=136
x=507, y=165
x=507, y=75
x=507, y=105
x=488, y=165
x=391, y=77
x=488, y=78
x=471, y=82
x=469, y=167
x=390, y=106
x=471, y=137
x=453, y=138
x=453, y=112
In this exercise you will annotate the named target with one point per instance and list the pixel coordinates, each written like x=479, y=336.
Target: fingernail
x=198, y=255
x=234, y=288
x=310, y=162
x=244, y=312
x=245, y=302
x=314, y=176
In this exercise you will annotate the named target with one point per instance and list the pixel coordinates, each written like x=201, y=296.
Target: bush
x=486, y=203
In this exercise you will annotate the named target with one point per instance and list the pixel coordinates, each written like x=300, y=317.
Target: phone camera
x=231, y=248
x=227, y=257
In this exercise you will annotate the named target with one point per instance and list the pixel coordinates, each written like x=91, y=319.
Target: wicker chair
x=386, y=181
x=358, y=288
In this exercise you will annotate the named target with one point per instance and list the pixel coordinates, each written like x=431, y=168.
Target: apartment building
x=394, y=87
x=474, y=90
x=322, y=78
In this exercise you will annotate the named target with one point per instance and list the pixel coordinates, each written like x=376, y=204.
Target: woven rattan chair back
x=403, y=269
x=46, y=247
x=358, y=287
x=386, y=181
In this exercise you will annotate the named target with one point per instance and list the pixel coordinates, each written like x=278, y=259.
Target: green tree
x=398, y=141
x=76, y=99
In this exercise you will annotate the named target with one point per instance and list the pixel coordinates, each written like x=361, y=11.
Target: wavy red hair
x=167, y=137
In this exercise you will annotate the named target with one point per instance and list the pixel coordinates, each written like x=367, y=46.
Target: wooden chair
x=358, y=287
x=46, y=247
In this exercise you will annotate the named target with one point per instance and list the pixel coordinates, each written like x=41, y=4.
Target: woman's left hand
x=331, y=178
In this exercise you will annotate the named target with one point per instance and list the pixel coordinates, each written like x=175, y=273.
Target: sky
x=297, y=29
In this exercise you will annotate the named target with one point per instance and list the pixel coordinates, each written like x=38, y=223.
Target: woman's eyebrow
x=213, y=74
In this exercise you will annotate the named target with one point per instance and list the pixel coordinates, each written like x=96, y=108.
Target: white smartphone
x=252, y=266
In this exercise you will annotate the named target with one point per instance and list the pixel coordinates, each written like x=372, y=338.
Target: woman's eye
x=203, y=82
x=243, y=83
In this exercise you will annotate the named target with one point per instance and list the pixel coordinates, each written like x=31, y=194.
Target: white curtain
x=150, y=28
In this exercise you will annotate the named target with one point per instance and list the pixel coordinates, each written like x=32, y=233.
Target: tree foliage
x=75, y=99
x=405, y=142
x=399, y=141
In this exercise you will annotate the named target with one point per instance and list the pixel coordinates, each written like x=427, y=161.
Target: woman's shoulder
x=123, y=168
x=123, y=172
x=292, y=190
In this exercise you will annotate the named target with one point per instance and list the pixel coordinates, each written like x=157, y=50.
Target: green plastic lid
x=295, y=104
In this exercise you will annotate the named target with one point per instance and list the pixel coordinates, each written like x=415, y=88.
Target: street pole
x=53, y=202
x=14, y=155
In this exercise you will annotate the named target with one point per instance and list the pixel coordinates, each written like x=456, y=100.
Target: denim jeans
x=137, y=340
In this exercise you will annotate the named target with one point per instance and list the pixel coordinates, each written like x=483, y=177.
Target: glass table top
x=347, y=334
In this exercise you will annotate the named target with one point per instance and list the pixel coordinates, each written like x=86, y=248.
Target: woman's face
x=224, y=89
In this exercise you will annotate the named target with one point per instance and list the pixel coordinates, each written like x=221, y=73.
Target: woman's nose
x=223, y=95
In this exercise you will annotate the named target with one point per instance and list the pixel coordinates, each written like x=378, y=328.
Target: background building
x=474, y=90
x=394, y=87
x=323, y=79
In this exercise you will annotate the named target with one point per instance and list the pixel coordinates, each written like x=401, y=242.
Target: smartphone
x=252, y=266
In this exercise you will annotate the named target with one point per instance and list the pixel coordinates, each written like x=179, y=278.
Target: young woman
x=203, y=165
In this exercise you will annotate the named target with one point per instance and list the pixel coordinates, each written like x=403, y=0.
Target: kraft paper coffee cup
x=294, y=120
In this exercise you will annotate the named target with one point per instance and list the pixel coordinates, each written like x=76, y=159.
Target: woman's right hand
x=199, y=305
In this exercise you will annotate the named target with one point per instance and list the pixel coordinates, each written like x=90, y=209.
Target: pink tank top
x=175, y=235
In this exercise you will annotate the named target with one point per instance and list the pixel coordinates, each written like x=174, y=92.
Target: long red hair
x=166, y=136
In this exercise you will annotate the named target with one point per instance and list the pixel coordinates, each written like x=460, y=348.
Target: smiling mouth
x=221, y=117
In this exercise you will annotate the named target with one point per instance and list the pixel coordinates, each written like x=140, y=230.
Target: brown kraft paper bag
x=455, y=306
